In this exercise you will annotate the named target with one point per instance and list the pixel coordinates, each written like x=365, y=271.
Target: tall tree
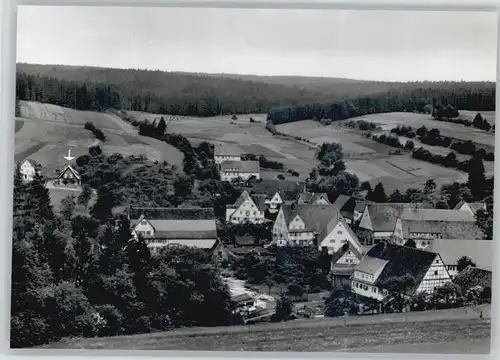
x=477, y=179
x=378, y=195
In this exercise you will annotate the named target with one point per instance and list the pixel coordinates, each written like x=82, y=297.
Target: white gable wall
x=337, y=238
x=144, y=228
x=348, y=259
x=274, y=203
x=321, y=201
x=366, y=222
x=436, y=276
x=247, y=212
x=28, y=171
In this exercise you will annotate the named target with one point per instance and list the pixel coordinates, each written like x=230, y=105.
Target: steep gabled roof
x=401, y=260
x=260, y=201
x=240, y=200
x=448, y=230
x=333, y=223
x=480, y=251
x=311, y=198
x=70, y=169
x=32, y=162
x=241, y=166
x=315, y=217
x=437, y=215
x=286, y=188
x=227, y=149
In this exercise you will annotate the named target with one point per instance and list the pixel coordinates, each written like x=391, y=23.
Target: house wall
x=232, y=175
x=280, y=233
x=398, y=229
x=247, y=212
x=366, y=222
x=435, y=277
x=301, y=238
x=144, y=228
x=382, y=234
x=348, y=259
x=296, y=224
x=27, y=171
x=366, y=289
x=229, y=212
x=275, y=203
x=219, y=159
x=337, y=238
x=321, y=201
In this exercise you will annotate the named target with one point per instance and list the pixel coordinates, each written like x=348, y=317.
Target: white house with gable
x=29, y=168
x=385, y=261
x=247, y=209
x=336, y=234
x=242, y=170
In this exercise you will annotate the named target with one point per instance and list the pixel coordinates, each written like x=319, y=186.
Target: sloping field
x=252, y=138
x=47, y=142
x=390, y=120
x=50, y=112
x=328, y=335
x=402, y=172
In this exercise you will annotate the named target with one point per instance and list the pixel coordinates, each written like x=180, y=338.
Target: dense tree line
x=263, y=161
x=470, y=96
x=433, y=137
x=78, y=275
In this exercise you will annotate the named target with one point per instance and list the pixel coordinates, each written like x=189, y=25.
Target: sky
x=367, y=45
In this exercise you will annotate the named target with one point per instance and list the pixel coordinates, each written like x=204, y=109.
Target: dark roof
x=71, y=170
x=447, y=229
x=471, y=277
x=260, y=201
x=290, y=189
x=244, y=239
x=348, y=205
x=240, y=166
x=401, y=260
x=315, y=217
x=33, y=163
x=161, y=213
x=241, y=298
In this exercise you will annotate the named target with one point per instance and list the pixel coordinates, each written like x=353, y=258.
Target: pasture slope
x=371, y=161
x=48, y=131
x=250, y=137
x=454, y=329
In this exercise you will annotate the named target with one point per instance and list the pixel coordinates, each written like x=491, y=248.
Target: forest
x=285, y=99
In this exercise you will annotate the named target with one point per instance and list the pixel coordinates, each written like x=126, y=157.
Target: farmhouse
x=426, y=225
x=479, y=251
x=386, y=261
x=382, y=222
x=351, y=208
x=247, y=209
x=313, y=199
x=69, y=176
x=336, y=234
x=243, y=170
x=343, y=263
x=29, y=168
x=226, y=152
x=278, y=192
x=195, y=227
x=300, y=225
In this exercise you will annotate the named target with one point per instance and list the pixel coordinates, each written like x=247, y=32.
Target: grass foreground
x=316, y=336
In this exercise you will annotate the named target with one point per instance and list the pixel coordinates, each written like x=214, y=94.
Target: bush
x=113, y=320
x=284, y=309
x=90, y=126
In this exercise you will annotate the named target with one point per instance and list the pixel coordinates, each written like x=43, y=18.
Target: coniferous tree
x=378, y=195
x=477, y=179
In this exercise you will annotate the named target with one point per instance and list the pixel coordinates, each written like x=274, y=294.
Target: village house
x=160, y=227
x=68, y=177
x=479, y=251
x=300, y=225
x=385, y=261
x=278, y=192
x=313, y=199
x=226, y=152
x=344, y=261
x=247, y=209
x=336, y=234
x=351, y=208
x=382, y=222
x=29, y=168
x=243, y=170
x=425, y=225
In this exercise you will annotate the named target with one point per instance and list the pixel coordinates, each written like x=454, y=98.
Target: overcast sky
x=372, y=45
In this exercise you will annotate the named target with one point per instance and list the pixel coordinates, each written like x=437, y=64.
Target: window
x=144, y=222
x=435, y=272
x=437, y=261
x=339, y=232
